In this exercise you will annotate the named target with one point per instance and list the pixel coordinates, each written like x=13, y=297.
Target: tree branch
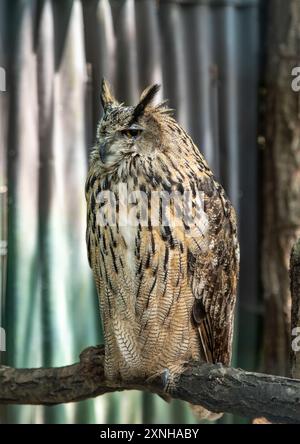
x=216, y=387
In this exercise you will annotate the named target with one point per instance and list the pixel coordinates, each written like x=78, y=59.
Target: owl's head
x=128, y=131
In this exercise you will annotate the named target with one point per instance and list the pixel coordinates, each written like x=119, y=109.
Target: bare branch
x=216, y=387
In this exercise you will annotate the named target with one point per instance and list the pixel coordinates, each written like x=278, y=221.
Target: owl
x=162, y=244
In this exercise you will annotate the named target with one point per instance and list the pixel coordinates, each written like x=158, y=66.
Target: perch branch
x=216, y=387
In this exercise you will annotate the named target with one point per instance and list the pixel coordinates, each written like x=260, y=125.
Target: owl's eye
x=132, y=133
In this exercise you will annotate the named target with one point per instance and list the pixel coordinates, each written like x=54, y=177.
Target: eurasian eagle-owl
x=162, y=244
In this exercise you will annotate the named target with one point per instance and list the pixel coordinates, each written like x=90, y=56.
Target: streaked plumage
x=167, y=293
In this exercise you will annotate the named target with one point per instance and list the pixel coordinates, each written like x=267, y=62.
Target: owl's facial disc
x=120, y=142
x=125, y=130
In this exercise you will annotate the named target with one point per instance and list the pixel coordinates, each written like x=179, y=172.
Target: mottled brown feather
x=167, y=292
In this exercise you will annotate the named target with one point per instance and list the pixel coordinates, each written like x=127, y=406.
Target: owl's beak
x=102, y=151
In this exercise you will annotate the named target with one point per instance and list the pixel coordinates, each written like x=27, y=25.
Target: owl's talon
x=165, y=376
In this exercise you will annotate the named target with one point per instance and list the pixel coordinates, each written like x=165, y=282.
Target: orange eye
x=131, y=132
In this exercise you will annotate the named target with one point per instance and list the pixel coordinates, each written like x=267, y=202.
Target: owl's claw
x=165, y=377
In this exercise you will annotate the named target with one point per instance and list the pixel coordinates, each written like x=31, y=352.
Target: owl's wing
x=213, y=261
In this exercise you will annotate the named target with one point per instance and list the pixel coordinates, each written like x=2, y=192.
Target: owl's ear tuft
x=146, y=98
x=107, y=97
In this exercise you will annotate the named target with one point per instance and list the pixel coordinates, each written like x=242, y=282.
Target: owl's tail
x=202, y=413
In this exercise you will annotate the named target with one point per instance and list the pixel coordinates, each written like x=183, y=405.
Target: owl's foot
x=169, y=379
x=168, y=375
x=165, y=376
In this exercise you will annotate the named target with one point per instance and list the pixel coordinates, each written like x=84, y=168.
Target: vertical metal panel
x=200, y=80
x=4, y=103
x=23, y=291
x=126, y=50
x=249, y=191
x=100, y=48
x=148, y=46
x=174, y=59
x=205, y=55
x=226, y=46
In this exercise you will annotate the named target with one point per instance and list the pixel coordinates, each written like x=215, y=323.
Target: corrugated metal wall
x=205, y=54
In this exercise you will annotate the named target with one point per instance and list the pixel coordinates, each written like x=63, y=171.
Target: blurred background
x=225, y=66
